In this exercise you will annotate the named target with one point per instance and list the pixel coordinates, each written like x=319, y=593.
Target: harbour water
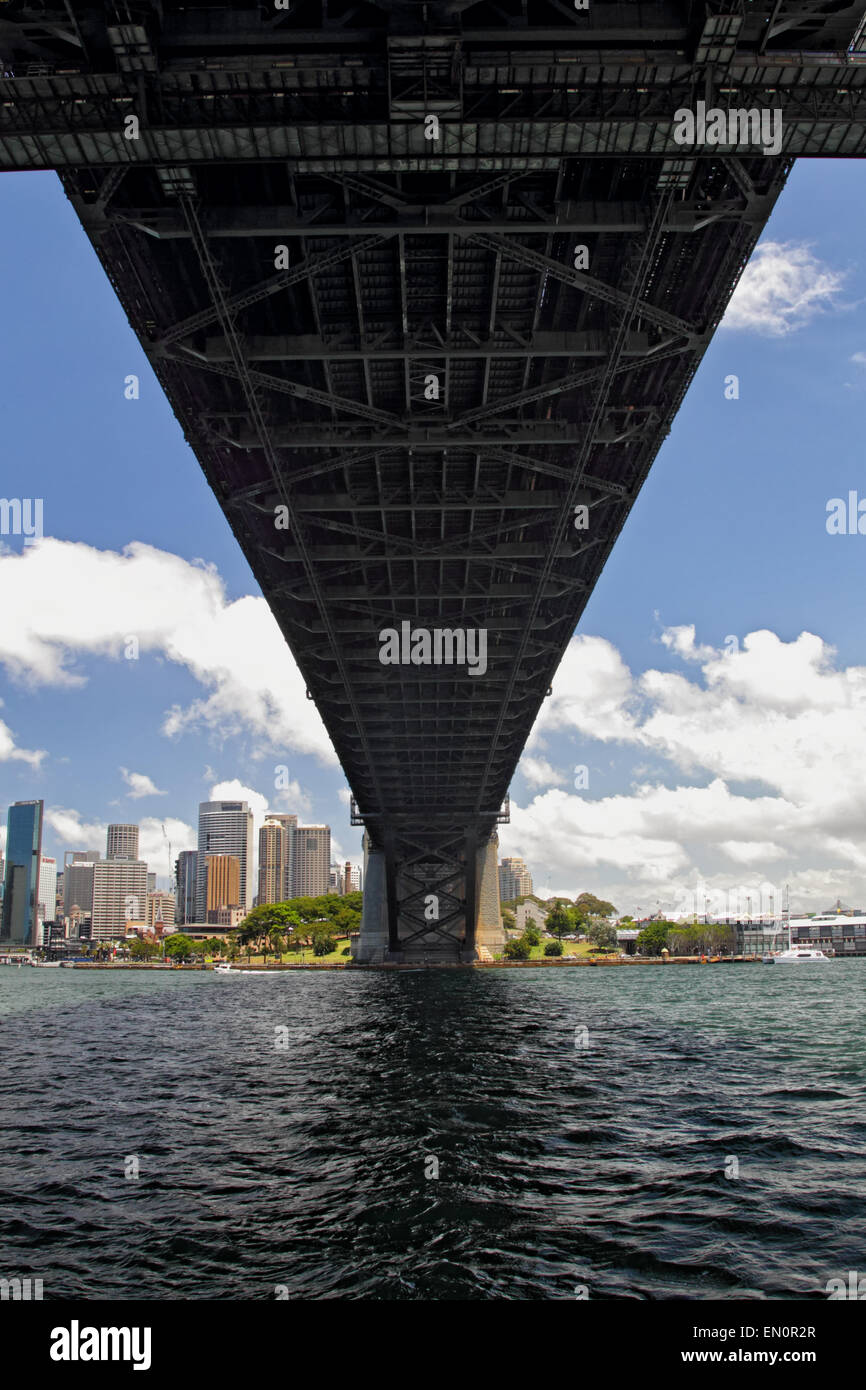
x=649, y=1133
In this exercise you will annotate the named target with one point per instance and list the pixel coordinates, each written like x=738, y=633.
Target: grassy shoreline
x=548, y=962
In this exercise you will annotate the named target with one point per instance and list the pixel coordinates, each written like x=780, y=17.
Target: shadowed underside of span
x=425, y=286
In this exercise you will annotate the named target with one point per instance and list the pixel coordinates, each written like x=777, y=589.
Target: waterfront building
x=119, y=896
x=224, y=828
x=185, y=878
x=834, y=933
x=223, y=881
x=122, y=842
x=312, y=861
x=19, y=923
x=276, y=857
x=515, y=880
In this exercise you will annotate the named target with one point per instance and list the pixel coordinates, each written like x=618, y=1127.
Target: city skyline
x=104, y=893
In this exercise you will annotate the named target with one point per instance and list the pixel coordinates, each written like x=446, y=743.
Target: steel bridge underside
x=400, y=373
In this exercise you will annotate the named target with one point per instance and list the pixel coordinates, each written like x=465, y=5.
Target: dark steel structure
x=421, y=281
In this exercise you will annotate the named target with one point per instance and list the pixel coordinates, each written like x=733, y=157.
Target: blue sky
x=723, y=768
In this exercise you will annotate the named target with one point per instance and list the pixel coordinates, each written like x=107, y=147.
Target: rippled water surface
x=560, y=1166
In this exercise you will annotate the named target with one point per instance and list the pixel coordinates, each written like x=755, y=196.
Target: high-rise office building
x=19, y=922
x=151, y=883
x=47, y=892
x=185, y=876
x=225, y=827
x=81, y=856
x=122, y=842
x=312, y=866
x=223, y=881
x=515, y=880
x=160, y=908
x=276, y=858
x=119, y=896
x=78, y=886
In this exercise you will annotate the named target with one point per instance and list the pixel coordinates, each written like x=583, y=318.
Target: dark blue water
x=561, y=1168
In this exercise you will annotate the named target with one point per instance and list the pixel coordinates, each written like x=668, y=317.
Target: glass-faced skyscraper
x=225, y=827
x=19, y=922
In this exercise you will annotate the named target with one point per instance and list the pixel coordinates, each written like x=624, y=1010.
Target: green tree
x=553, y=948
x=143, y=950
x=323, y=945
x=723, y=938
x=178, y=946
x=600, y=932
x=559, y=920
x=518, y=950
x=591, y=906
x=531, y=932
x=678, y=940
x=654, y=938
x=247, y=935
x=509, y=921
x=267, y=917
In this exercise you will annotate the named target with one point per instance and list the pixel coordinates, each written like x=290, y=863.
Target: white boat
x=800, y=955
x=225, y=969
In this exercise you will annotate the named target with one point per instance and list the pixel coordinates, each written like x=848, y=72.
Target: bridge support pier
x=489, y=933
x=397, y=896
x=371, y=947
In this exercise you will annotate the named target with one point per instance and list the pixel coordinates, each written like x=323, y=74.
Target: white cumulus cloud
x=776, y=727
x=10, y=752
x=782, y=288
x=140, y=785
x=73, y=600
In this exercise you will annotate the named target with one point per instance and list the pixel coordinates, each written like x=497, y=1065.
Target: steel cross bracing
x=402, y=376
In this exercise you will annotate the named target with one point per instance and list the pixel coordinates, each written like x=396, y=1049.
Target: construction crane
x=168, y=842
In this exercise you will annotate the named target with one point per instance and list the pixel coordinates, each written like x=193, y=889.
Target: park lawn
x=304, y=957
x=569, y=948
